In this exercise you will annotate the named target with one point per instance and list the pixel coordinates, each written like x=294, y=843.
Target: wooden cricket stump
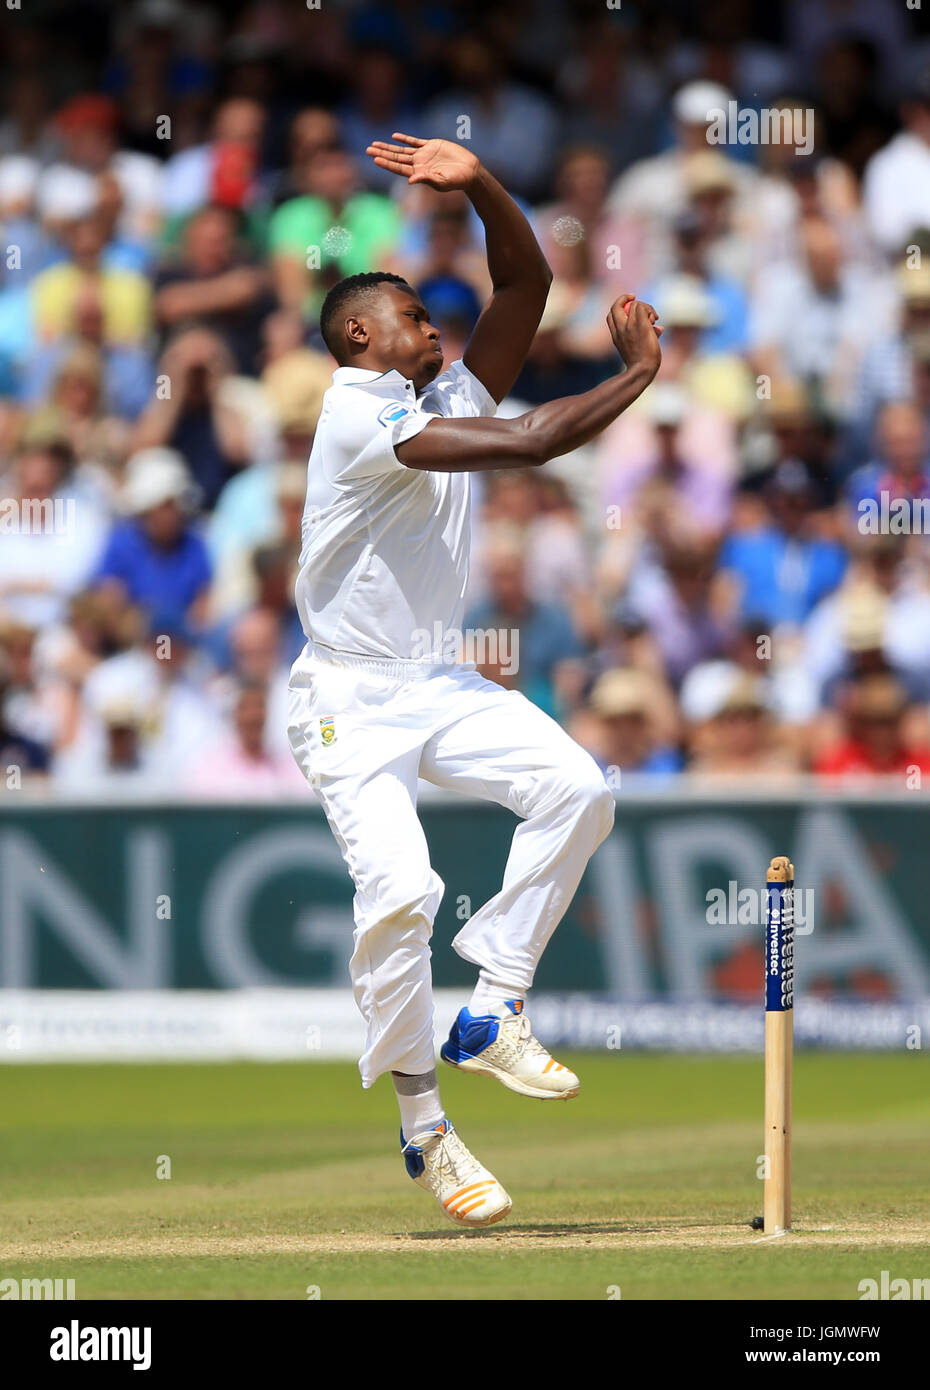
x=779, y=1043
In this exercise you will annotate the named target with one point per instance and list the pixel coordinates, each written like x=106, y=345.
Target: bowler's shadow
x=558, y=1229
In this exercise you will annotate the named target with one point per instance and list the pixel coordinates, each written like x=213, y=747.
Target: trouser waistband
x=402, y=670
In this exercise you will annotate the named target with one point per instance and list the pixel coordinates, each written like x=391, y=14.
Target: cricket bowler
x=385, y=560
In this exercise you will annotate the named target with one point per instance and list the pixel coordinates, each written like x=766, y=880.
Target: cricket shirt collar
x=359, y=376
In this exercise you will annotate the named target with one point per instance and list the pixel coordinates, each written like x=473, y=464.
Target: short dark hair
x=343, y=295
x=231, y=215
x=52, y=447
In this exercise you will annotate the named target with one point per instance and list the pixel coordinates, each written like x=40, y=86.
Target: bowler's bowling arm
x=476, y=445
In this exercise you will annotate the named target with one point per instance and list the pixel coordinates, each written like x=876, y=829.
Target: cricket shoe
x=439, y=1161
x=502, y=1045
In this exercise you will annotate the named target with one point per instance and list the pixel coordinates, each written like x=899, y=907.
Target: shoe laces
x=449, y=1157
x=455, y=1162
x=518, y=1040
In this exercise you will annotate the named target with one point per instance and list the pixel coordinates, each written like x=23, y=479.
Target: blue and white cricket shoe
x=502, y=1045
x=439, y=1161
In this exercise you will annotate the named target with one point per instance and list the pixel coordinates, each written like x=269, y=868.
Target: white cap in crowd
x=695, y=101
x=718, y=687
x=65, y=193
x=154, y=476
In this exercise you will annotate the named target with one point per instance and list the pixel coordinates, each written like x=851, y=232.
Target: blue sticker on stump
x=779, y=947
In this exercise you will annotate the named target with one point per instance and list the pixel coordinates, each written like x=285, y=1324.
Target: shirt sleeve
x=365, y=430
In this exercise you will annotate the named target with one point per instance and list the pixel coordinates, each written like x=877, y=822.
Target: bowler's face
x=402, y=337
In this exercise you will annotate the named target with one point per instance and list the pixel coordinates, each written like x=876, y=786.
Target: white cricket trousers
x=362, y=733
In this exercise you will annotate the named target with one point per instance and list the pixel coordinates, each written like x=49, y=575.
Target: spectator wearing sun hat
x=63, y=195
x=731, y=732
x=655, y=190
x=155, y=556
x=88, y=126
x=716, y=381
x=879, y=619
x=712, y=190
x=145, y=714
x=692, y=242
x=627, y=702
x=60, y=199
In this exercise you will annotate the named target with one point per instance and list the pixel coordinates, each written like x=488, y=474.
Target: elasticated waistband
x=392, y=670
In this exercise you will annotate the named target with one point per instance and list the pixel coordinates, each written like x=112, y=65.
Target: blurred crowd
x=698, y=592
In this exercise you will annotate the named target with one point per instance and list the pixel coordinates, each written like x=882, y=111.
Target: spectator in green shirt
x=334, y=229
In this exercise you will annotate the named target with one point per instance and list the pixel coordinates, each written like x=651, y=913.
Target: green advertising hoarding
x=220, y=896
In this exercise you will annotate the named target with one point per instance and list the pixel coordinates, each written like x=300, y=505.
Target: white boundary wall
x=323, y=1024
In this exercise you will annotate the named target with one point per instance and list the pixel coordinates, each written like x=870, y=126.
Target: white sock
x=418, y=1099
x=491, y=995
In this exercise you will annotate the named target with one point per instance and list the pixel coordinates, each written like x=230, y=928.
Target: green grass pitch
x=286, y=1179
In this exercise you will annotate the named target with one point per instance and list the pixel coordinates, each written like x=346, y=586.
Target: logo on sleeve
x=328, y=729
x=392, y=413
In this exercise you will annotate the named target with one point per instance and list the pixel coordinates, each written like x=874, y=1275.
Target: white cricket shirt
x=385, y=548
